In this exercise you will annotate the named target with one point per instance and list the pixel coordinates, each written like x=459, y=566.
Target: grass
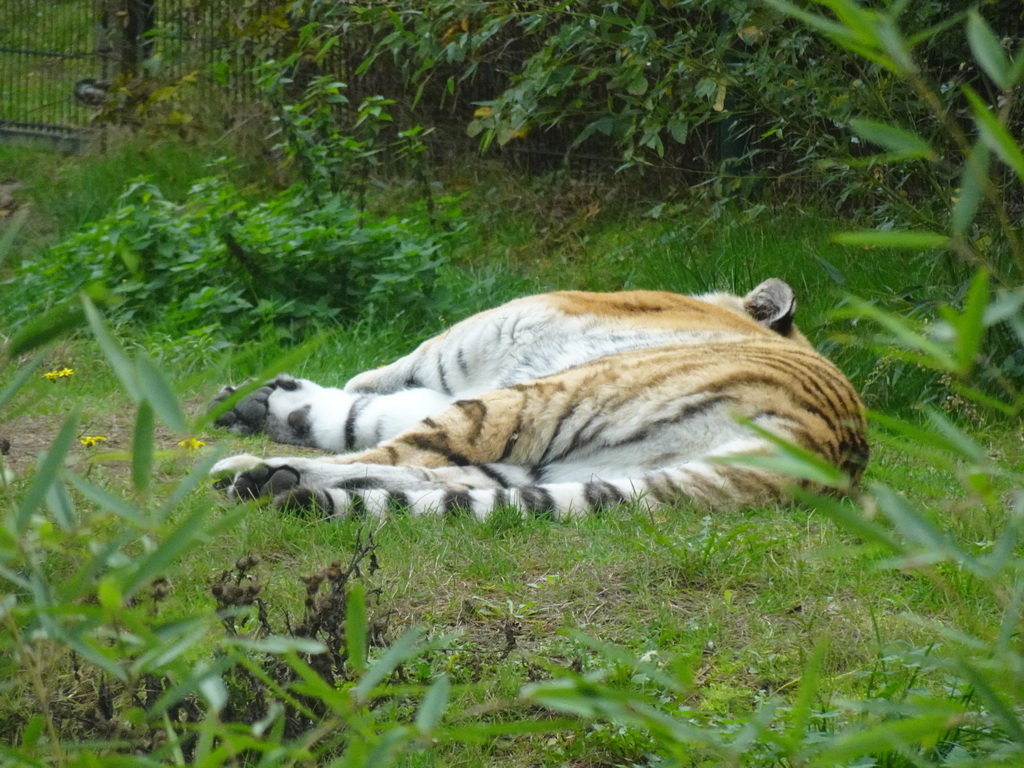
x=739, y=599
x=734, y=605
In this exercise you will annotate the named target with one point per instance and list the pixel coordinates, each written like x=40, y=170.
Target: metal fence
x=59, y=60
x=69, y=65
x=44, y=53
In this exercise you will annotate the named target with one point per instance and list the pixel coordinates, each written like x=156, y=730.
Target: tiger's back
x=594, y=399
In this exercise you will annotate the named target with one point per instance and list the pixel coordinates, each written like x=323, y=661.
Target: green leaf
x=485, y=732
x=995, y=135
x=1006, y=713
x=60, y=321
x=112, y=351
x=892, y=735
x=156, y=389
x=987, y=50
x=59, y=502
x=851, y=518
x=404, y=648
x=142, y=447
x=19, y=380
x=970, y=324
x=932, y=543
x=972, y=188
x=167, y=552
x=47, y=473
x=276, y=644
x=32, y=731
x=936, y=355
x=791, y=460
x=892, y=239
x=906, y=144
x=800, y=715
x=11, y=231
x=356, y=629
x=433, y=705
x=105, y=500
x=200, y=680
x=199, y=474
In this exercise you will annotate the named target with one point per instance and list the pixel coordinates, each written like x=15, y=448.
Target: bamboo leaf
x=433, y=705
x=142, y=447
x=167, y=551
x=987, y=50
x=356, y=629
x=1004, y=712
x=112, y=351
x=905, y=144
x=995, y=135
x=972, y=188
x=853, y=519
x=800, y=716
x=55, y=324
x=47, y=473
x=937, y=356
x=157, y=390
x=19, y=380
x=892, y=239
x=403, y=649
x=919, y=530
x=11, y=231
x=893, y=735
x=970, y=324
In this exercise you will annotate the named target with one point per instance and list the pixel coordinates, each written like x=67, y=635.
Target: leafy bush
x=221, y=262
x=703, y=87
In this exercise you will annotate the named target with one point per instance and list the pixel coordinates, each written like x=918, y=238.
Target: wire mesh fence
x=67, y=66
x=45, y=49
x=64, y=64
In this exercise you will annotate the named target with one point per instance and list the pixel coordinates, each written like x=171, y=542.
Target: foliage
x=173, y=684
x=704, y=88
x=225, y=264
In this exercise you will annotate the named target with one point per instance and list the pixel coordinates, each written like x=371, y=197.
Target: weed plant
x=146, y=623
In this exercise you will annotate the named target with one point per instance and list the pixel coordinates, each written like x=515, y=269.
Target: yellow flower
x=90, y=440
x=61, y=373
x=192, y=444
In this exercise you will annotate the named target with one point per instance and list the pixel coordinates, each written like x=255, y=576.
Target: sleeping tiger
x=560, y=405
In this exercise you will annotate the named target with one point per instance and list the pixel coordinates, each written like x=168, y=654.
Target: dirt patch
x=30, y=435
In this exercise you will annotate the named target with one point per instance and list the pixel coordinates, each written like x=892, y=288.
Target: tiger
x=562, y=405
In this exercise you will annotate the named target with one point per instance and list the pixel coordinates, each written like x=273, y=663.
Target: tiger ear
x=773, y=305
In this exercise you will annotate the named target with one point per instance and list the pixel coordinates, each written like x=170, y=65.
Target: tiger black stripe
x=457, y=503
x=600, y=494
x=809, y=384
x=537, y=500
x=442, y=376
x=493, y=474
x=350, y=421
x=356, y=506
x=399, y=502
x=437, y=444
x=688, y=411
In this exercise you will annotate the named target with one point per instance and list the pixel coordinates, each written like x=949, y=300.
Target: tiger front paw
x=277, y=409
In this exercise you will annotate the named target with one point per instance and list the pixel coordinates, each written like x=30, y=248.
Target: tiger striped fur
x=562, y=404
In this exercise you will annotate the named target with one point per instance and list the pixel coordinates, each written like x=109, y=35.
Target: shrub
x=218, y=260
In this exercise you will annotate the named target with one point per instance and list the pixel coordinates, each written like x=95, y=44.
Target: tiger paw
x=279, y=409
x=246, y=477
x=249, y=415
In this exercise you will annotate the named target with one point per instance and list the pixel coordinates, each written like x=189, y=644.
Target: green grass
x=733, y=604
x=739, y=599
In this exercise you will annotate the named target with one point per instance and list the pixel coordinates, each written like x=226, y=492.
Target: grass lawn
x=734, y=610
